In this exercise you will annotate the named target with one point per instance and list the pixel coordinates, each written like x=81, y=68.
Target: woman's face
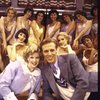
x=21, y=37
x=53, y=16
x=28, y=14
x=66, y=18
x=62, y=41
x=10, y=14
x=88, y=43
x=40, y=17
x=33, y=61
x=80, y=17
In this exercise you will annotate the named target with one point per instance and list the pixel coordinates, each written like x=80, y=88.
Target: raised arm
x=56, y=28
x=12, y=32
x=71, y=27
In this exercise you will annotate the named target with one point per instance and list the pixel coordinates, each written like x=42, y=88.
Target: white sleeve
x=10, y=96
x=33, y=96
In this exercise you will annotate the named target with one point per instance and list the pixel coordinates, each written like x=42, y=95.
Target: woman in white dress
x=53, y=28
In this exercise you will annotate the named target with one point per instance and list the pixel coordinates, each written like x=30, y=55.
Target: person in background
x=7, y=30
x=68, y=25
x=24, y=21
x=8, y=26
x=64, y=46
x=19, y=78
x=53, y=27
x=83, y=27
x=64, y=75
x=36, y=33
x=94, y=29
x=90, y=55
x=15, y=51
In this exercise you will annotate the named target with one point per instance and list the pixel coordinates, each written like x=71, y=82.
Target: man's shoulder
x=67, y=56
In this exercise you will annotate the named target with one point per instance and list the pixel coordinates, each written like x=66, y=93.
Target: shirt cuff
x=10, y=96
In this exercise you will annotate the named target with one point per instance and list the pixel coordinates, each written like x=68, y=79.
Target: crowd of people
x=59, y=55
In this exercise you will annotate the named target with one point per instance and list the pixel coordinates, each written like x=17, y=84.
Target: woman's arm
x=33, y=26
x=87, y=27
x=12, y=32
x=42, y=35
x=71, y=27
x=2, y=29
x=19, y=24
x=58, y=25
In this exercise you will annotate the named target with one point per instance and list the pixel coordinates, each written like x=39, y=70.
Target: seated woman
x=15, y=51
x=83, y=27
x=19, y=78
x=90, y=55
x=8, y=26
x=68, y=25
x=24, y=21
x=36, y=32
x=53, y=28
x=63, y=44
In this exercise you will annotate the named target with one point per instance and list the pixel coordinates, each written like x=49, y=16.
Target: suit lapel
x=50, y=77
x=63, y=67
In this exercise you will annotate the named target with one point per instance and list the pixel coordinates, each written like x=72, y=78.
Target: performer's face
x=50, y=52
x=33, y=61
x=21, y=37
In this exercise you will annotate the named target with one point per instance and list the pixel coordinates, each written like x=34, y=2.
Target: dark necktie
x=53, y=68
x=61, y=81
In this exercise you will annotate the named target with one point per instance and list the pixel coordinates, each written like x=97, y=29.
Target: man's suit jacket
x=73, y=72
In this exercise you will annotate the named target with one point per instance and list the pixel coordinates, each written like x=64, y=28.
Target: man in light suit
x=69, y=80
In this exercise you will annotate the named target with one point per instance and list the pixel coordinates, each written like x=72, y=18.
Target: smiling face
x=88, y=43
x=33, y=61
x=49, y=52
x=53, y=16
x=28, y=14
x=10, y=14
x=40, y=17
x=21, y=37
x=62, y=40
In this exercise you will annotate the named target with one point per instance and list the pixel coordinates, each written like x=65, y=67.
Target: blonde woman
x=20, y=78
x=64, y=46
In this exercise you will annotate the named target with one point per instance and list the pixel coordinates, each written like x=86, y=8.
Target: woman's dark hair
x=92, y=10
x=40, y=12
x=53, y=11
x=84, y=37
x=70, y=16
x=79, y=12
x=24, y=31
x=28, y=10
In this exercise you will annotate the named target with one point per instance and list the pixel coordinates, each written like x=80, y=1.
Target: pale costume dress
x=92, y=67
x=8, y=28
x=50, y=28
x=32, y=41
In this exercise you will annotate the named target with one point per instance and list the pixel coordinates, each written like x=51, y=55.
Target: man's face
x=50, y=52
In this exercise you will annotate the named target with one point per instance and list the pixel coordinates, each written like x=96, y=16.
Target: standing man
x=64, y=75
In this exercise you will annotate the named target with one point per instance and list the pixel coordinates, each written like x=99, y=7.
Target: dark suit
x=73, y=72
